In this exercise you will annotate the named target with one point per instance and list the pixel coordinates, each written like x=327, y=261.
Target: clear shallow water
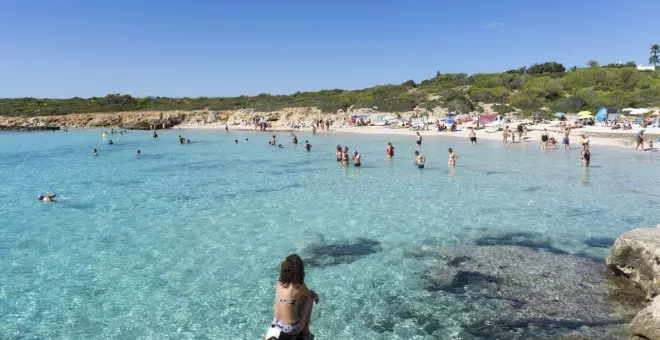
x=186, y=241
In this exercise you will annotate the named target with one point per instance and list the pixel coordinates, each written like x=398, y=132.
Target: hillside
x=546, y=85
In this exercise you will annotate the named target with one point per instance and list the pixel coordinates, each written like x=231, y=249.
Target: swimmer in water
x=236, y=141
x=110, y=142
x=246, y=140
x=155, y=134
x=357, y=158
x=452, y=158
x=138, y=153
x=181, y=139
x=420, y=160
x=389, y=151
x=48, y=198
x=280, y=146
x=188, y=141
x=308, y=146
x=295, y=138
x=338, y=153
x=95, y=153
x=273, y=142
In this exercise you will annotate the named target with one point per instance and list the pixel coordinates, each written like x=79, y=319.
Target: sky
x=62, y=49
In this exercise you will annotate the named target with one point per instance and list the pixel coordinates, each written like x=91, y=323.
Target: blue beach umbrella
x=449, y=121
x=451, y=115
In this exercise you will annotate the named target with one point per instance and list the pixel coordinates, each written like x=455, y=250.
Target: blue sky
x=224, y=48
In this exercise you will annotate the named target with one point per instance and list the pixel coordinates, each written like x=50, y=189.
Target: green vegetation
x=655, y=49
x=545, y=85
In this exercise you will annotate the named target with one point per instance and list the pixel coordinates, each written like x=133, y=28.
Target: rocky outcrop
x=636, y=256
x=144, y=120
x=519, y=292
x=646, y=325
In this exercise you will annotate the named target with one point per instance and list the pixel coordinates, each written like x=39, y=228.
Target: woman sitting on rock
x=293, y=303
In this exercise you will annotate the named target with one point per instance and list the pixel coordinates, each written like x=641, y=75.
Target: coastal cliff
x=146, y=120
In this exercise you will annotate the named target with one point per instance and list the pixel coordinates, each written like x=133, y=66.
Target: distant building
x=645, y=68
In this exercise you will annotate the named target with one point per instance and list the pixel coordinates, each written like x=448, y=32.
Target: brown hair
x=292, y=271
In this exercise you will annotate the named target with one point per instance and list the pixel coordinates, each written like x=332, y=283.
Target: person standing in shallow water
x=473, y=136
x=338, y=153
x=357, y=158
x=566, y=140
x=419, y=139
x=452, y=158
x=544, y=139
x=344, y=156
x=308, y=147
x=420, y=160
x=273, y=142
x=389, y=150
x=293, y=302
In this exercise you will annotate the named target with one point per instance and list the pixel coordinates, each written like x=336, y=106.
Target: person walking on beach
x=420, y=160
x=226, y=128
x=389, y=150
x=452, y=158
x=338, y=153
x=419, y=139
x=639, y=138
x=544, y=139
x=505, y=134
x=473, y=136
x=293, y=302
x=357, y=158
x=566, y=140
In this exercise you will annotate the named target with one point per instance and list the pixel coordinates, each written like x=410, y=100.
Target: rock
x=646, y=325
x=636, y=256
x=527, y=293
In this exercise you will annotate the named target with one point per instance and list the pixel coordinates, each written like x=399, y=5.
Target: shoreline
x=598, y=136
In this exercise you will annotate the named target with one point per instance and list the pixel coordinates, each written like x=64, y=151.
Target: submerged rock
x=325, y=255
x=636, y=256
x=531, y=294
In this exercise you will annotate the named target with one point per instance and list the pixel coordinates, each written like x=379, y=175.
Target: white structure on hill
x=645, y=68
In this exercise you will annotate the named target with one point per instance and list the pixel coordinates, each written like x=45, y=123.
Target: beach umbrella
x=585, y=114
x=449, y=121
x=559, y=114
x=451, y=115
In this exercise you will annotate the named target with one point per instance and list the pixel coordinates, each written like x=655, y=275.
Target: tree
x=593, y=64
x=655, y=49
x=654, y=60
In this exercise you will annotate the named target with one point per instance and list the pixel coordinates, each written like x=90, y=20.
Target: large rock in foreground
x=646, y=325
x=636, y=255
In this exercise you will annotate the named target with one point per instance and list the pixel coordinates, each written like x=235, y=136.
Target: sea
x=185, y=241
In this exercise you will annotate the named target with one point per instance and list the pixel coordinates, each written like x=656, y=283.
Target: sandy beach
x=598, y=135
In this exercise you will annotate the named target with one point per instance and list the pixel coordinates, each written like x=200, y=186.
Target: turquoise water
x=185, y=242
